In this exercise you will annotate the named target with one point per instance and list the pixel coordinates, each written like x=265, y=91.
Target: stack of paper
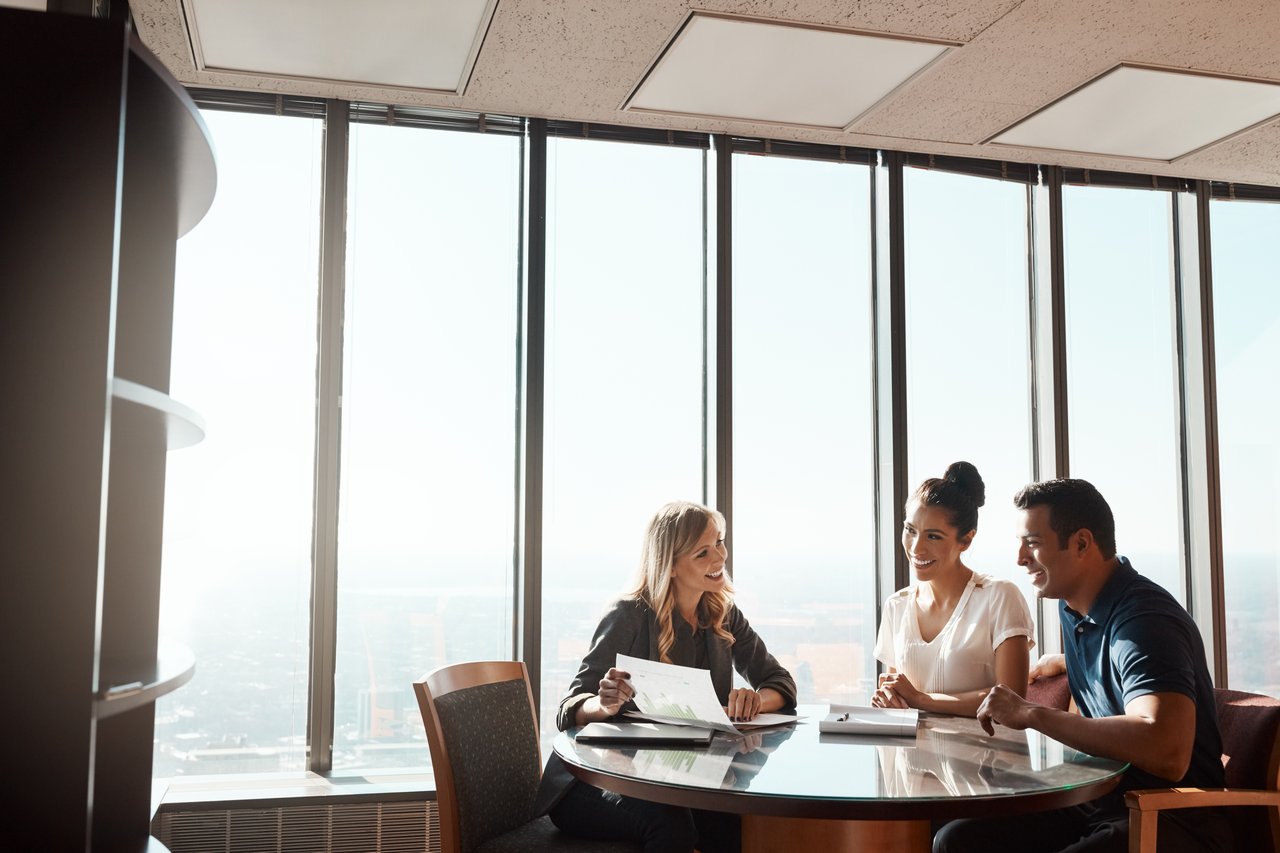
x=866, y=720
x=684, y=696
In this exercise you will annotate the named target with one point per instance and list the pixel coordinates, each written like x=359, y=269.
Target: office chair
x=1052, y=691
x=1250, y=726
x=483, y=737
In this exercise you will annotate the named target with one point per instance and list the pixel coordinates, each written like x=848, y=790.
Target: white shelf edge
x=183, y=427
x=173, y=669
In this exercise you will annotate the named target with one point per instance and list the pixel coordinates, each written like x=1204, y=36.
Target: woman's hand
x=1047, y=667
x=749, y=743
x=615, y=691
x=744, y=704
x=894, y=691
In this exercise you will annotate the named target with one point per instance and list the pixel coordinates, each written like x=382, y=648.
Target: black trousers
x=1101, y=826
x=587, y=812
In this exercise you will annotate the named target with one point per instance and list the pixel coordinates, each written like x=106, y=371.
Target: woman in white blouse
x=952, y=635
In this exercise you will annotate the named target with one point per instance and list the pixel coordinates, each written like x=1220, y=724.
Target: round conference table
x=799, y=789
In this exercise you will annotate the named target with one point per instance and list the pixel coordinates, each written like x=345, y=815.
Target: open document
x=869, y=720
x=684, y=695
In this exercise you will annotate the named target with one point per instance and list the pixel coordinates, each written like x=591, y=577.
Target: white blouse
x=962, y=657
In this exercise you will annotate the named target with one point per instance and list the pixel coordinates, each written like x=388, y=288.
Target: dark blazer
x=631, y=628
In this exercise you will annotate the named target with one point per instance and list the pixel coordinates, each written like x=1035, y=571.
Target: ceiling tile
x=778, y=72
x=407, y=43
x=1150, y=113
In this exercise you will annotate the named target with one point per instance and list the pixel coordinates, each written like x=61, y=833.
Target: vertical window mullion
x=1201, y=487
x=710, y=234
x=324, y=587
x=519, y=602
x=1047, y=317
x=530, y=643
x=888, y=295
x=724, y=338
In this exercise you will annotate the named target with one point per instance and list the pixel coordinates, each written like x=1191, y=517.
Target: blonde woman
x=680, y=610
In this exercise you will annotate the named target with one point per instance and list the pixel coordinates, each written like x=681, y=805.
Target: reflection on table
x=950, y=768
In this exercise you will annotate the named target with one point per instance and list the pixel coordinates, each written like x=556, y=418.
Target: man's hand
x=615, y=691
x=895, y=691
x=1005, y=707
x=1047, y=667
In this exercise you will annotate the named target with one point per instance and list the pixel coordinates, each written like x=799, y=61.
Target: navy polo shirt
x=1137, y=639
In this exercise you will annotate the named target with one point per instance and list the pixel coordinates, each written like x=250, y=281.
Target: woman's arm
x=618, y=631
x=771, y=683
x=1012, y=657
x=745, y=703
x=1048, y=666
x=615, y=691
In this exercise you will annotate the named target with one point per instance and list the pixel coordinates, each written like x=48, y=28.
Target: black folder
x=644, y=734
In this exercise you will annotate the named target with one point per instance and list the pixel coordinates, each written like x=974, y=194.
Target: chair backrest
x=1052, y=691
x=1250, y=726
x=483, y=737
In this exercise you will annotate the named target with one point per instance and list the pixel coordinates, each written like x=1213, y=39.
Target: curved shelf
x=174, y=668
x=182, y=426
x=197, y=171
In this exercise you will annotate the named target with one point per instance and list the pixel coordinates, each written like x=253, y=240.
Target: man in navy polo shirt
x=1136, y=666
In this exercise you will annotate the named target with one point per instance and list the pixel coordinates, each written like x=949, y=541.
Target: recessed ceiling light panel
x=1150, y=113
x=397, y=43
x=728, y=67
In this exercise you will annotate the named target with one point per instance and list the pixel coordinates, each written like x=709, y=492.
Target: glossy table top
x=951, y=768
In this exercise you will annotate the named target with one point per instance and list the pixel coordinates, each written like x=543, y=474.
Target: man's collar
x=1110, y=594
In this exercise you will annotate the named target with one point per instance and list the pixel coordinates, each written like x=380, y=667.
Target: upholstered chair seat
x=483, y=737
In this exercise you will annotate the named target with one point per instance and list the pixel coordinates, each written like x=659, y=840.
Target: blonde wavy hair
x=673, y=532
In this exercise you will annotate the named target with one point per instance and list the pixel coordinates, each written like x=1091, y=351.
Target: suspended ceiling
x=1005, y=62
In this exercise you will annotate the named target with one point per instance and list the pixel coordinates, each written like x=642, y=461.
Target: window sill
x=238, y=791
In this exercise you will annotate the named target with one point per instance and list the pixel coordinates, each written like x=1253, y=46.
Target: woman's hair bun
x=968, y=480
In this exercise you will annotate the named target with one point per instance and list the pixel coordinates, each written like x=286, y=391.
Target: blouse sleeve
x=616, y=632
x=753, y=661
x=885, y=650
x=1010, y=615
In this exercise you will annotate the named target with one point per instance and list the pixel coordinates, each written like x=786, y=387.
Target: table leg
x=762, y=834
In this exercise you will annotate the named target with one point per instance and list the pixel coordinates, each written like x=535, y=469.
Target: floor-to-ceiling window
x=430, y=454
x=238, y=506
x=803, y=521
x=624, y=374
x=1246, y=313
x=427, y=506
x=1121, y=369
x=968, y=389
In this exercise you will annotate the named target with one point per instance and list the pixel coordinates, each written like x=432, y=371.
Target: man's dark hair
x=1073, y=505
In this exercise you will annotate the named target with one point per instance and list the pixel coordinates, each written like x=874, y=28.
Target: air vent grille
x=370, y=827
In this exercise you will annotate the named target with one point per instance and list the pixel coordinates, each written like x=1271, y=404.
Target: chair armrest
x=1145, y=807
x=1156, y=799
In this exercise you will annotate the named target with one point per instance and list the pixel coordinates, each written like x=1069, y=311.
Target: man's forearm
x=1160, y=749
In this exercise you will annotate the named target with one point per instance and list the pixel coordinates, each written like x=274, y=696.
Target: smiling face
x=1053, y=568
x=701, y=569
x=933, y=546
